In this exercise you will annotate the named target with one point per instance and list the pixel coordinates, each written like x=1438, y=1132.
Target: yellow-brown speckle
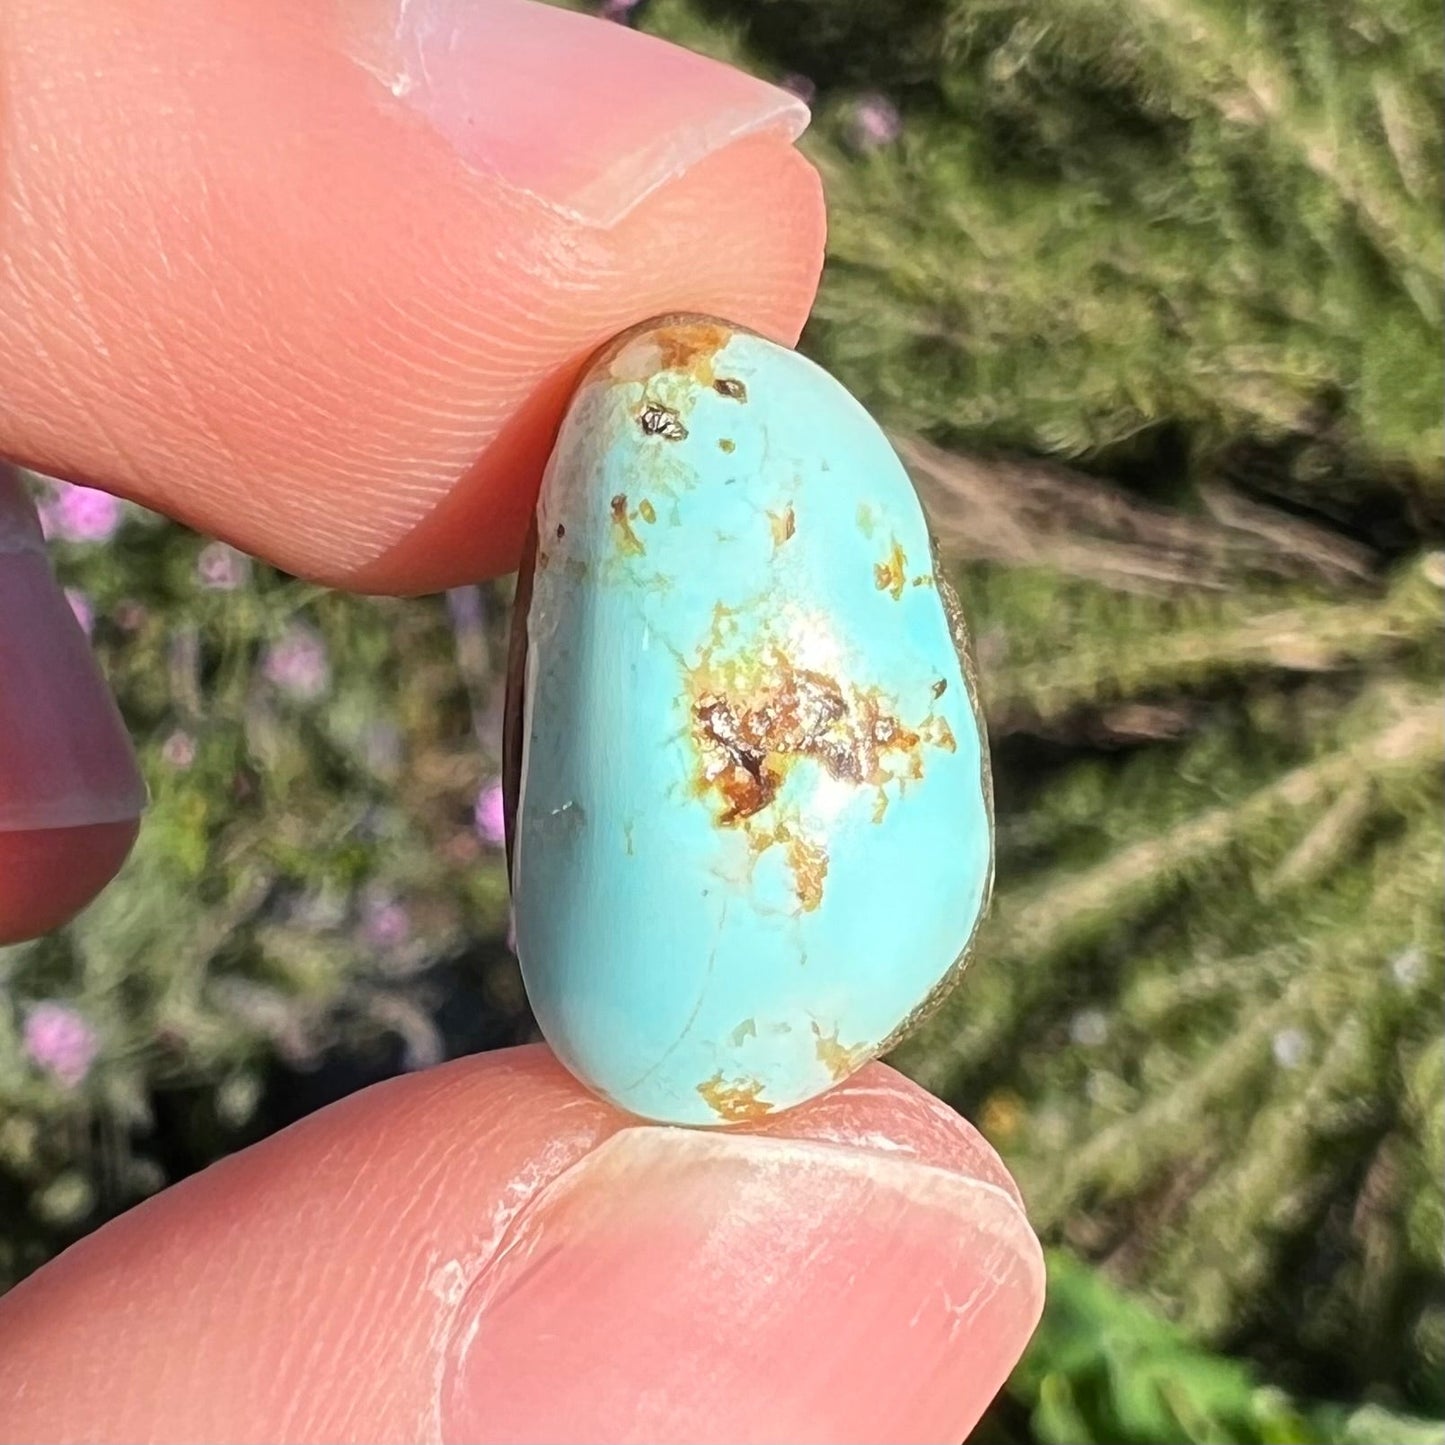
x=784, y=524
x=627, y=539
x=730, y=387
x=937, y=731
x=888, y=575
x=809, y=864
x=736, y=1102
x=691, y=346
x=838, y=1059
x=754, y=721
x=748, y=1029
x=940, y=687
x=924, y=579
x=647, y=511
x=727, y=444
x=865, y=519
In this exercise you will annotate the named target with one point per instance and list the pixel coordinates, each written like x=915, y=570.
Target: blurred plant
x=1105, y=1370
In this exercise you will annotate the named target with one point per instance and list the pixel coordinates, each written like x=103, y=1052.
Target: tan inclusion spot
x=809, y=864
x=839, y=1060
x=758, y=715
x=888, y=575
x=736, y=1102
x=627, y=540
x=692, y=346
x=784, y=525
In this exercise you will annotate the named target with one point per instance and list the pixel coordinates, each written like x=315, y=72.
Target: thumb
x=483, y=1252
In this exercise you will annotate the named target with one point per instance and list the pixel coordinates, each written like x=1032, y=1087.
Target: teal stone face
x=752, y=831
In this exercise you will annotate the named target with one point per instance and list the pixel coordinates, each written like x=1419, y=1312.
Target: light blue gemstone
x=752, y=831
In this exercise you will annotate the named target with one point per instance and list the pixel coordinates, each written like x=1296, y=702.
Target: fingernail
x=65, y=758
x=688, y=1286
x=585, y=115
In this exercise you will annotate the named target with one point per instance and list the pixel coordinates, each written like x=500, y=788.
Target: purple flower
x=297, y=664
x=220, y=568
x=179, y=750
x=385, y=923
x=800, y=86
x=80, y=605
x=79, y=514
x=875, y=123
x=489, y=815
x=58, y=1040
x=620, y=10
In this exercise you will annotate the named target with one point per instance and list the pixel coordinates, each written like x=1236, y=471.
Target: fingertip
x=738, y=1287
x=486, y=1251
x=48, y=875
x=689, y=247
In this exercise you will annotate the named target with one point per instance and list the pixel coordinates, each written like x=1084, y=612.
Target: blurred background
x=1149, y=295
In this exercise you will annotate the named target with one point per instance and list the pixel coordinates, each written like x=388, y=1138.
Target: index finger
x=316, y=278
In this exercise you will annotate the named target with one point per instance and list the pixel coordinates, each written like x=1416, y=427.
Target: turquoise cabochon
x=752, y=833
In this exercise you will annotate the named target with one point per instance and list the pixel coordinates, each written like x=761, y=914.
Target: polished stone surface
x=753, y=831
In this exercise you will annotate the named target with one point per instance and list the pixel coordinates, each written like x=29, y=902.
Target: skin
x=363, y=390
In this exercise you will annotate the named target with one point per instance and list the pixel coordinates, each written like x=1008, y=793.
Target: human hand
x=319, y=283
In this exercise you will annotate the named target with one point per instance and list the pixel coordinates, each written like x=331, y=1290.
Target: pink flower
x=179, y=750
x=58, y=1040
x=297, y=664
x=875, y=123
x=220, y=568
x=79, y=514
x=385, y=922
x=490, y=815
x=80, y=605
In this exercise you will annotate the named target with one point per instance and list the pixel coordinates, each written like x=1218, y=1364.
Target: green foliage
x=1149, y=294
x=1105, y=1370
x=1222, y=216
